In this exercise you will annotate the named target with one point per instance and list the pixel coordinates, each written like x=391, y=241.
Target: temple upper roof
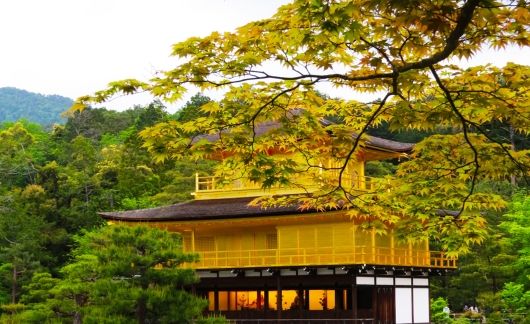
x=371, y=142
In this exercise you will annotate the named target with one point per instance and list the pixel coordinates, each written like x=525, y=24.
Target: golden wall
x=309, y=244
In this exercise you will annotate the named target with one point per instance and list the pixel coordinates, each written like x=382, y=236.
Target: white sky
x=75, y=47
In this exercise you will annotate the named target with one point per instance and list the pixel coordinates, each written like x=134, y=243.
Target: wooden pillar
x=279, y=300
x=339, y=300
x=353, y=303
x=306, y=299
x=265, y=300
x=216, y=299
x=412, y=301
x=410, y=250
x=193, y=240
x=375, y=295
x=375, y=257
x=259, y=300
x=376, y=303
x=427, y=259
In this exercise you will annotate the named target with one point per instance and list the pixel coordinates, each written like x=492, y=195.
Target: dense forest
x=55, y=181
x=18, y=104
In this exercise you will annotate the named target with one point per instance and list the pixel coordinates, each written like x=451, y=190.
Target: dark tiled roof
x=214, y=209
x=372, y=141
x=259, y=130
x=390, y=145
x=378, y=142
x=202, y=210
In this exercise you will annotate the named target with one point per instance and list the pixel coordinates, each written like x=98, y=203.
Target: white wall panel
x=403, y=305
x=365, y=281
x=421, y=305
x=384, y=281
x=420, y=281
x=403, y=281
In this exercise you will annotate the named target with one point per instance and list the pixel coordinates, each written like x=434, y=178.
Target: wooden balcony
x=336, y=256
x=211, y=187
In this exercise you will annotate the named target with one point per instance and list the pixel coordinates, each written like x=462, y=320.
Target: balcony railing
x=208, y=187
x=323, y=256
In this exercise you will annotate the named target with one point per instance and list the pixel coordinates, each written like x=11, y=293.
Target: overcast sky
x=75, y=47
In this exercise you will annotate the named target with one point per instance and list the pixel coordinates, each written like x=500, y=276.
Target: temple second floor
x=230, y=234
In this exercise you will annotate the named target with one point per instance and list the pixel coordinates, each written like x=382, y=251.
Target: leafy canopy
x=396, y=50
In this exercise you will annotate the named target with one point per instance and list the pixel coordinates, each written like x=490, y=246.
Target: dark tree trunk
x=141, y=310
x=77, y=318
x=80, y=301
x=14, y=286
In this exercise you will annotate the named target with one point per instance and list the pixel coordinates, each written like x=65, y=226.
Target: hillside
x=43, y=109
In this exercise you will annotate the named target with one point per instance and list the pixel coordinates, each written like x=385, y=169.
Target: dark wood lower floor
x=297, y=299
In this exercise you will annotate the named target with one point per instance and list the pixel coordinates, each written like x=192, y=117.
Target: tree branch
x=466, y=135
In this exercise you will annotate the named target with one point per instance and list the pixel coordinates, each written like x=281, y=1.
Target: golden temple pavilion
x=287, y=264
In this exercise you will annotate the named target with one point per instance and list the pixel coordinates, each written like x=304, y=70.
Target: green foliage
x=94, y=123
x=511, y=304
x=18, y=104
x=407, y=135
x=15, y=156
x=39, y=288
x=137, y=203
x=36, y=292
x=22, y=240
x=492, y=276
x=120, y=274
x=154, y=113
x=54, y=182
x=192, y=109
x=379, y=168
x=516, y=298
x=10, y=311
x=438, y=315
x=517, y=226
x=490, y=303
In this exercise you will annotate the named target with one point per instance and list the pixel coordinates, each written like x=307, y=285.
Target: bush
x=438, y=316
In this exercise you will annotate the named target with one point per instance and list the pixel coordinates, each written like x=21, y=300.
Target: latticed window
x=186, y=241
x=205, y=243
x=271, y=241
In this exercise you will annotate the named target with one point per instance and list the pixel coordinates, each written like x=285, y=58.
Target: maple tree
x=399, y=51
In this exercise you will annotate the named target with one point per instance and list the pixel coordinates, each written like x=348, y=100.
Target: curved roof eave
x=202, y=210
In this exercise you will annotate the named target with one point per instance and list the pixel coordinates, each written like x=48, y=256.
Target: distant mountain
x=43, y=109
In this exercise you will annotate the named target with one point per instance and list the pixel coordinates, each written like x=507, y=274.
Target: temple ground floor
x=318, y=295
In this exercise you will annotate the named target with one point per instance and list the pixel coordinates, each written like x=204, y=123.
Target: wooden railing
x=208, y=187
x=323, y=256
